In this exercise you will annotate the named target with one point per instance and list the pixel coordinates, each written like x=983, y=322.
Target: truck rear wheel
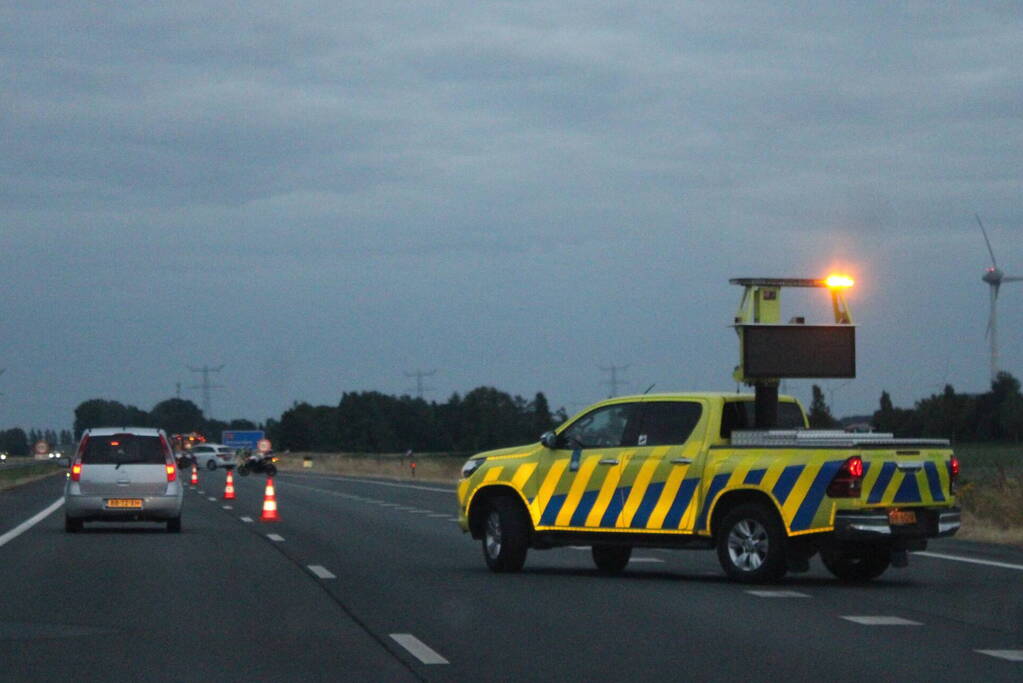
x=751, y=544
x=611, y=559
x=862, y=565
x=505, y=535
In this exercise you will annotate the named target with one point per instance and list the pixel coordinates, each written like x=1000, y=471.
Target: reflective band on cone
x=229, y=487
x=195, y=475
x=269, y=503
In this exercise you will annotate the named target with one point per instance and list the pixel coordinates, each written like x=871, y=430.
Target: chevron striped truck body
x=672, y=470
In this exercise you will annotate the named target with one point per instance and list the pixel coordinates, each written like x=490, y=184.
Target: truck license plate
x=129, y=503
x=901, y=517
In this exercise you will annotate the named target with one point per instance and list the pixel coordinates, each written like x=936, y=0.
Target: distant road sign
x=242, y=439
x=263, y=445
x=42, y=448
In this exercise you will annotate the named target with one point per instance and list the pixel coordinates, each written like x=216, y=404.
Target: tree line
x=366, y=421
x=996, y=415
x=485, y=418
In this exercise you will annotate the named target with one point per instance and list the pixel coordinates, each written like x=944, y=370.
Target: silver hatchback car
x=123, y=474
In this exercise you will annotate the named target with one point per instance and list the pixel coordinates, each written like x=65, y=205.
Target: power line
x=614, y=382
x=207, y=404
x=419, y=375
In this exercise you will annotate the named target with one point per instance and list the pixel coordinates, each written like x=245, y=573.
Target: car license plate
x=128, y=503
x=901, y=517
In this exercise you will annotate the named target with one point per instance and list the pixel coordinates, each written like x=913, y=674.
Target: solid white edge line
x=777, y=594
x=418, y=648
x=971, y=560
x=880, y=620
x=1009, y=655
x=321, y=572
x=31, y=522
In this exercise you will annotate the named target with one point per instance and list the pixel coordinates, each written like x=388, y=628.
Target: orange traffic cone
x=195, y=476
x=229, y=487
x=269, y=503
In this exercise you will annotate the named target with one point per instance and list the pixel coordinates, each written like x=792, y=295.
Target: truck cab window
x=740, y=415
x=668, y=423
x=606, y=427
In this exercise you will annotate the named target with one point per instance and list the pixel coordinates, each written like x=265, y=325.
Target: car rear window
x=740, y=415
x=123, y=449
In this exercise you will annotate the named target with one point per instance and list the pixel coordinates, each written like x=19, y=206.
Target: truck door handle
x=609, y=461
x=681, y=461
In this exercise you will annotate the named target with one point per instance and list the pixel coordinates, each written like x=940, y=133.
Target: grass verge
x=435, y=468
x=16, y=476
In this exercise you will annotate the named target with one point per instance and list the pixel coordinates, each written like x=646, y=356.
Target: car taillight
x=848, y=479
x=953, y=473
x=76, y=472
x=172, y=473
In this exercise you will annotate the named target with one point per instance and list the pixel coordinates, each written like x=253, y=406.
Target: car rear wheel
x=863, y=565
x=751, y=544
x=174, y=525
x=72, y=525
x=243, y=470
x=611, y=559
x=505, y=535
x=271, y=470
x=211, y=464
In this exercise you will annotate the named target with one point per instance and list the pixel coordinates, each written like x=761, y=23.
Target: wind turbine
x=994, y=277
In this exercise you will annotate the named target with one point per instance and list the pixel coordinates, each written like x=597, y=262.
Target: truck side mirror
x=549, y=440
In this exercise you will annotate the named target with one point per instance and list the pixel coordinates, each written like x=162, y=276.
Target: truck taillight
x=848, y=479
x=76, y=472
x=953, y=473
x=172, y=473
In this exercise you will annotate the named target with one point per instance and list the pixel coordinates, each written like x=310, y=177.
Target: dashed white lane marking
x=200, y=491
x=31, y=522
x=646, y=559
x=1010, y=655
x=579, y=547
x=227, y=507
x=321, y=572
x=882, y=621
x=453, y=519
x=779, y=594
x=418, y=648
x=211, y=498
x=247, y=520
x=438, y=515
x=275, y=537
x=971, y=560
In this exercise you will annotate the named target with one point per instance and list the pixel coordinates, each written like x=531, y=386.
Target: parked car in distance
x=123, y=474
x=213, y=455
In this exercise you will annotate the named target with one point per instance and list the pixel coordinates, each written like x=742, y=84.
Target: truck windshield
x=740, y=415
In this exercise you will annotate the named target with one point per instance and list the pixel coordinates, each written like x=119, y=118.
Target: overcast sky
x=324, y=196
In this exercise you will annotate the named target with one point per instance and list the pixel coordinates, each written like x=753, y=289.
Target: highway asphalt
x=373, y=581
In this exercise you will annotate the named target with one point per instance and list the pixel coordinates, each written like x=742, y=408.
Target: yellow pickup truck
x=687, y=471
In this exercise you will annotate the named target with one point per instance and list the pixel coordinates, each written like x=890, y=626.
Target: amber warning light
x=838, y=281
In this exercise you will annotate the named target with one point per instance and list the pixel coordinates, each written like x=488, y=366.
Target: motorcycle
x=260, y=463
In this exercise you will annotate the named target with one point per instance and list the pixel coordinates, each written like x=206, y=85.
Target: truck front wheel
x=862, y=565
x=505, y=535
x=751, y=544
